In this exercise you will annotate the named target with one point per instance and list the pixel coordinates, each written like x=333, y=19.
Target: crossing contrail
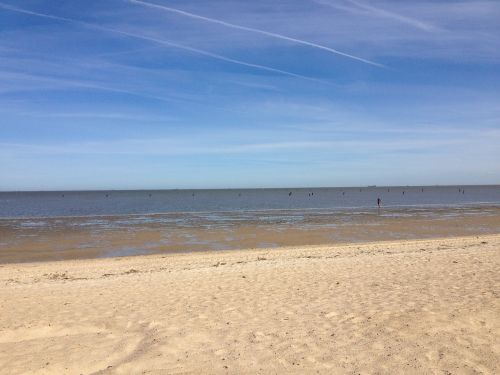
x=251, y=29
x=162, y=42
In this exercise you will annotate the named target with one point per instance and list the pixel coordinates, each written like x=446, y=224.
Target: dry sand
x=420, y=306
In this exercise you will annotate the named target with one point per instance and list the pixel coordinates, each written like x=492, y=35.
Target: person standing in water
x=378, y=202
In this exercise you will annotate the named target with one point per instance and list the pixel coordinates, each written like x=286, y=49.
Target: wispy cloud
x=62, y=82
x=185, y=146
x=161, y=42
x=379, y=12
x=104, y=115
x=254, y=30
x=45, y=82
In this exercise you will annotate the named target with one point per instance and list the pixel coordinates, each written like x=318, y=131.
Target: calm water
x=92, y=203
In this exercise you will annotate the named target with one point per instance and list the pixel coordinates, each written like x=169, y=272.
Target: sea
x=143, y=202
x=55, y=225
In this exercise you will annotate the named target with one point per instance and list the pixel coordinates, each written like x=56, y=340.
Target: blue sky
x=213, y=94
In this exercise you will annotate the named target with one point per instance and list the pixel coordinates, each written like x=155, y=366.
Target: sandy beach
x=417, y=306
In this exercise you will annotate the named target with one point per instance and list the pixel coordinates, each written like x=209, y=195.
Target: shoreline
x=242, y=252
x=109, y=237
x=414, y=306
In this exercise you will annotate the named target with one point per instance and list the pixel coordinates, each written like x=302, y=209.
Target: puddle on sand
x=125, y=251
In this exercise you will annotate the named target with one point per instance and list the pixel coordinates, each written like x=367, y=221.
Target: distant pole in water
x=403, y=192
x=378, y=202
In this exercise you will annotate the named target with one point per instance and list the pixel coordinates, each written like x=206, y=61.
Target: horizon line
x=248, y=188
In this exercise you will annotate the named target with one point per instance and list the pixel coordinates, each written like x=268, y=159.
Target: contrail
x=25, y=11
x=381, y=12
x=162, y=42
x=251, y=29
x=213, y=55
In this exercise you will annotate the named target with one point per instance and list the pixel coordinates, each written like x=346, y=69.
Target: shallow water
x=38, y=239
x=68, y=225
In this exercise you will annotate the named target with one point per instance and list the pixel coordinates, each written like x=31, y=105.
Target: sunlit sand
x=420, y=306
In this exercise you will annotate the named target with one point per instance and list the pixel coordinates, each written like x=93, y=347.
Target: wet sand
x=26, y=240
x=414, y=307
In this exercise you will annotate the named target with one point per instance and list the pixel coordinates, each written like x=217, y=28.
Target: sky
x=128, y=94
